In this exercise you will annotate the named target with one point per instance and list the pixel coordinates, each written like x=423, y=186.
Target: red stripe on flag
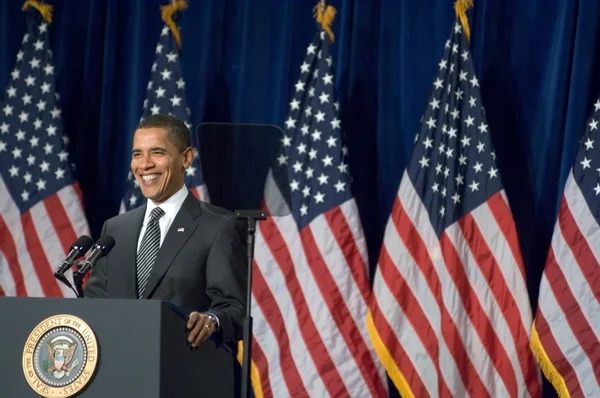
x=341, y=315
x=418, y=250
x=502, y=214
x=580, y=327
x=483, y=256
x=259, y=359
x=472, y=307
x=310, y=333
x=7, y=246
x=60, y=221
x=274, y=318
x=345, y=240
x=552, y=349
x=420, y=323
x=38, y=257
x=580, y=248
x=397, y=353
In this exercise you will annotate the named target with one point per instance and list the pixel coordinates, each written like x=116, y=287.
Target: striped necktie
x=148, y=249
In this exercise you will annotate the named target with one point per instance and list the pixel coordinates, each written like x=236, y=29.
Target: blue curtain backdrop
x=535, y=60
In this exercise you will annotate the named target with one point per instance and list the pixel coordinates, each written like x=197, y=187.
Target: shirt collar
x=171, y=206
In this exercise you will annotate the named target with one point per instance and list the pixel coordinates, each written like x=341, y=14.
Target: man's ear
x=188, y=157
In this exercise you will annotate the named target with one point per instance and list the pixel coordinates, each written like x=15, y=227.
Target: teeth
x=150, y=177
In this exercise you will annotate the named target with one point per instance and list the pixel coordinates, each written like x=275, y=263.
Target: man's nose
x=146, y=162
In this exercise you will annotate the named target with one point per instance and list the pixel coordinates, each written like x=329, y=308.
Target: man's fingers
x=205, y=332
x=201, y=327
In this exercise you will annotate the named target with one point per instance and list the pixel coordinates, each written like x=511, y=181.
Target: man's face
x=157, y=164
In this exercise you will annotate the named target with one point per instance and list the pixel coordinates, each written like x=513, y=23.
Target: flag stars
x=17, y=153
x=431, y=123
x=424, y=162
x=483, y=128
x=48, y=148
x=327, y=161
x=474, y=186
x=41, y=184
x=25, y=196
x=320, y=116
x=340, y=186
x=469, y=121
x=290, y=123
x=493, y=172
x=428, y=142
x=312, y=154
x=306, y=191
x=331, y=141
x=14, y=171
x=295, y=104
x=597, y=189
x=30, y=81
x=45, y=87
x=474, y=81
x=589, y=144
x=30, y=160
x=27, y=178
x=480, y=147
x=335, y=123
x=593, y=125
x=323, y=179
x=319, y=197
x=303, y=210
x=585, y=163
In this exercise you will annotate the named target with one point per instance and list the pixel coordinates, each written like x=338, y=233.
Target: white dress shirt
x=171, y=207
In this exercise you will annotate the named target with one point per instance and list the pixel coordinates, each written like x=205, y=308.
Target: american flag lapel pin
x=180, y=229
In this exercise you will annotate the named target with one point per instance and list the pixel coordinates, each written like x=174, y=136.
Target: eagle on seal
x=60, y=356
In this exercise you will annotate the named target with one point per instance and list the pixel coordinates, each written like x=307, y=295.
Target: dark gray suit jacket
x=200, y=266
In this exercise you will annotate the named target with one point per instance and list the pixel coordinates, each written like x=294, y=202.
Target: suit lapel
x=182, y=227
x=130, y=243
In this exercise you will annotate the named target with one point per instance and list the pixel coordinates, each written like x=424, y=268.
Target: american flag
x=567, y=323
x=310, y=285
x=41, y=212
x=450, y=314
x=165, y=94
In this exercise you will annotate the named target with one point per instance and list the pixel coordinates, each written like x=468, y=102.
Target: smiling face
x=157, y=164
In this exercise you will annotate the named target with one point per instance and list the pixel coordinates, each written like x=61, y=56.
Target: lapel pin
x=180, y=229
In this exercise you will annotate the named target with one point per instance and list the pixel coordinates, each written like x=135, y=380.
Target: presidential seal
x=60, y=356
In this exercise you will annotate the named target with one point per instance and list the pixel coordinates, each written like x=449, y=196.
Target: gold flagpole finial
x=325, y=15
x=44, y=9
x=461, y=7
x=167, y=13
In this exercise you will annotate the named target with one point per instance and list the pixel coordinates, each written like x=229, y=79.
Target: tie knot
x=156, y=213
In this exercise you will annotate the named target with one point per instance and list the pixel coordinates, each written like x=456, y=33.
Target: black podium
x=141, y=350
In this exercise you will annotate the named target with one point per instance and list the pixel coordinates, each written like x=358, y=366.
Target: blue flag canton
x=165, y=94
x=453, y=166
x=313, y=154
x=586, y=170
x=34, y=161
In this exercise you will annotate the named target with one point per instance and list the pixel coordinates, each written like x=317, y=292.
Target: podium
x=106, y=348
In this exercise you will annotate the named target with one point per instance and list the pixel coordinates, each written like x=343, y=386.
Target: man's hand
x=200, y=328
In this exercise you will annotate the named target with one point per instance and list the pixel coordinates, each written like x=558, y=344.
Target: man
x=175, y=247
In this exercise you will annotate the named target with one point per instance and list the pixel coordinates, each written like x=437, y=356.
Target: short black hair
x=178, y=131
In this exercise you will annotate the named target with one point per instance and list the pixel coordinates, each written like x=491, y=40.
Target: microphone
x=101, y=248
x=78, y=249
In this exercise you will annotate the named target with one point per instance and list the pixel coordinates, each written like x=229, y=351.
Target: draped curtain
x=535, y=61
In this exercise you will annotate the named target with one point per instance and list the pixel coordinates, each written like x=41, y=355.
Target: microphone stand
x=77, y=281
x=251, y=216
